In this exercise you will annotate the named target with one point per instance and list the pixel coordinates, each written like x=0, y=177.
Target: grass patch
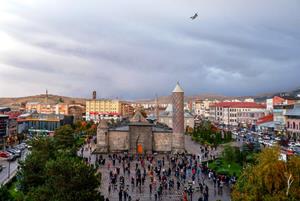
x=223, y=167
x=14, y=192
x=80, y=141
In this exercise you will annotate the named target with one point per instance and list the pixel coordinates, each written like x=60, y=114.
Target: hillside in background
x=52, y=99
x=295, y=93
x=168, y=99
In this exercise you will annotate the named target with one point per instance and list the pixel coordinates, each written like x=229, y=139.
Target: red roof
x=239, y=105
x=104, y=113
x=265, y=119
x=12, y=114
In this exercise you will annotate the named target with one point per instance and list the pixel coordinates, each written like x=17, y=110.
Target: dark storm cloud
x=134, y=49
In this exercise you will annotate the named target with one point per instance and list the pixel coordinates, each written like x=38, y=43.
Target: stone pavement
x=143, y=193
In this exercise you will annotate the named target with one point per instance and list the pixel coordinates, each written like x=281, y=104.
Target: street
x=13, y=167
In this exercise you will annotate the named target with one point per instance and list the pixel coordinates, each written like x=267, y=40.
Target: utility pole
x=8, y=176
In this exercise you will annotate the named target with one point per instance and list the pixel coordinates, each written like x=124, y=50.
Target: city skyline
x=136, y=49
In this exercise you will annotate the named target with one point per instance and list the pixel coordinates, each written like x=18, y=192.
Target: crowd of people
x=177, y=177
x=161, y=177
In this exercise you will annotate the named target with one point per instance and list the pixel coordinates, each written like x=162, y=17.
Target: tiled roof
x=239, y=105
x=268, y=118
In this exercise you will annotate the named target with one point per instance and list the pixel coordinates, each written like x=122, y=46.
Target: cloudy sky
x=137, y=48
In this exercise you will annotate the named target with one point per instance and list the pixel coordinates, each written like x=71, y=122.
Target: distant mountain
x=295, y=93
x=52, y=99
x=259, y=98
x=168, y=99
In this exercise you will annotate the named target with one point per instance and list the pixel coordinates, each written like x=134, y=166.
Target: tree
x=67, y=179
x=64, y=137
x=269, y=179
x=52, y=173
x=230, y=154
x=32, y=169
x=4, y=194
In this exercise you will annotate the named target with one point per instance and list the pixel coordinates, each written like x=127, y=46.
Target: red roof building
x=234, y=113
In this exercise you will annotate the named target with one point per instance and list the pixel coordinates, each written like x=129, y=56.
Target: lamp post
x=8, y=173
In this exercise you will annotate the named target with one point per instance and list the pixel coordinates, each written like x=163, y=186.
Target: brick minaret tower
x=178, y=119
x=94, y=95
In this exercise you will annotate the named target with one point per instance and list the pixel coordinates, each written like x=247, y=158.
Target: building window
x=294, y=125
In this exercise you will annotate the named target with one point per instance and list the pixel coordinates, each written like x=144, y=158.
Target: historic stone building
x=141, y=136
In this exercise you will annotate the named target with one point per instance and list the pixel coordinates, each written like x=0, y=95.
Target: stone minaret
x=178, y=120
x=156, y=109
x=46, y=97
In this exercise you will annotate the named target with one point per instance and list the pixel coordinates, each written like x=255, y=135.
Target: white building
x=233, y=113
x=202, y=107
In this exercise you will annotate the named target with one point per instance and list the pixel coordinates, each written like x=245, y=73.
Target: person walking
x=150, y=189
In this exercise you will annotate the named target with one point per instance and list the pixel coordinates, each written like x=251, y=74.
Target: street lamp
x=8, y=170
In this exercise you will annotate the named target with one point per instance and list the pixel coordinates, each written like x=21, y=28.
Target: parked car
x=296, y=150
x=20, y=147
x=14, y=152
x=7, y=155
x=4, y=154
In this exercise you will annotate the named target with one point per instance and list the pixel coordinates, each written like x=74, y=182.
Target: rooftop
x=169, y=112
x=294, y=112
x=265, y=119
x=178, y=88
x=239, y=105
x=3, y=115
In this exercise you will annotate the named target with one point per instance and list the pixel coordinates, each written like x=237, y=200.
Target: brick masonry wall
x=178, y=112
x=178, y=121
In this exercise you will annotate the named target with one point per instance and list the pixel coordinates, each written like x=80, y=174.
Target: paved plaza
x=127, y=168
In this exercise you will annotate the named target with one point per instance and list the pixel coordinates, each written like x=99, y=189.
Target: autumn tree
x=269, y=179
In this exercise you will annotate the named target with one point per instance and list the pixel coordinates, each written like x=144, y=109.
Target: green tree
x=64, y=137
x=4, y=194
x=52, y=173
x=269, y=179
x=32, y=169
x=68, y=179
x=229, y=154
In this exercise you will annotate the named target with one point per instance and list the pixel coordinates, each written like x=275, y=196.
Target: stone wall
x=162, y=142
x=102, y=140
x=118, y=141
x=140, y=134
